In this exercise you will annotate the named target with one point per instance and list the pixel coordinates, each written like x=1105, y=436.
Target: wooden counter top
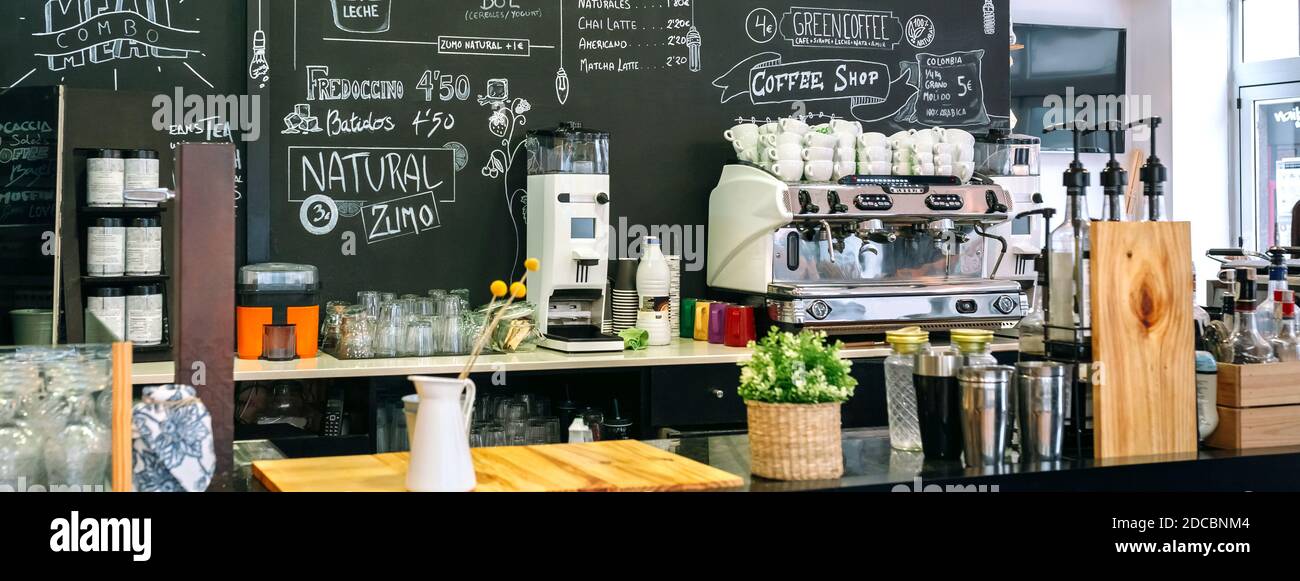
x=618, y=466
x=680, y=352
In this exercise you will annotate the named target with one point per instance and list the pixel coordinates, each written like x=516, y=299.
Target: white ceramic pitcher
x=440, y=458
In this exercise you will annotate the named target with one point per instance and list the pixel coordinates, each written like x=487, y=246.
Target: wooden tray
x=1245, y=386
x=619, y=466
x=1265, y=427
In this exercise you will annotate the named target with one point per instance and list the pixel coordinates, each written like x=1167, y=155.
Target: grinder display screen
x=582, y=228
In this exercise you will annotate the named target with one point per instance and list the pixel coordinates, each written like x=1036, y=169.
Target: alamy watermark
x=242, y=113
x=918, y=485
x=684, y=240
x=1091, y=110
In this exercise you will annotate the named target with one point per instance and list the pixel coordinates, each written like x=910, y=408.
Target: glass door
x=1270, y=163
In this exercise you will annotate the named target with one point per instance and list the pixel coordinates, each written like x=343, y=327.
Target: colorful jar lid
x=971, y=339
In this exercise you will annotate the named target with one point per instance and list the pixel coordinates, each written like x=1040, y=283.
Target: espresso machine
x=568, y=230
x=862, y=256
x=1011, y=161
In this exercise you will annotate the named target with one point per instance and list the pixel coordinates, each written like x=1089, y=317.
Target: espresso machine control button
x=873, y=202
x=837, y=206
x=942, y=202
x=819, y=310
x=1005, y=305
x=805, y=203
x=602, y=198
x=967, y=307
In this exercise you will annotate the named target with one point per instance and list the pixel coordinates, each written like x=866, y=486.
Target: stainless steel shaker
x=1042, y=394
x=985, y=413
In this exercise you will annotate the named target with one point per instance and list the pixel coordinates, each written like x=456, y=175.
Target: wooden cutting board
x=1144, y=388
x=619, y=466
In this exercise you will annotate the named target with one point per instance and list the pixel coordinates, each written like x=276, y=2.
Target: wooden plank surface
x=618, y=466
x=1265, y=427
x=1244, y=386
x=1144, y=393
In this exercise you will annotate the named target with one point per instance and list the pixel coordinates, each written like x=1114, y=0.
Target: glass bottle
x=1270, y=309
x=78, y=454
x=1219, y=332
x=1286, y=345
x=21, y=458
x=973, y=345
x=1031, y=326
x=1069, y=271
x=1248, y=345
x=900, y=393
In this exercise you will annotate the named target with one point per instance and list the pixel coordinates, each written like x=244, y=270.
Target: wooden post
x=204, y=329
x=1144, y=391
x=121, y=419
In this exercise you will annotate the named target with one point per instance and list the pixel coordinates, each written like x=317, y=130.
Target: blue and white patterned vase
x=172, y=441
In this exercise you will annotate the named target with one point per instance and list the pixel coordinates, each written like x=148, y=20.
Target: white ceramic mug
x=943, y=149
x=927, y=136
x=813, y=139
x=777, y=139
x=944, y=170
x=787, y=170
x=904, y=155
x=790, y=125
x=875, y=168
x=873, y=140
x=846, y=154
x=846, y=140
x=943, y=159
x=901, y=169
x=769, y=128
x=923, y=169
x=818, y=154
x=923, y=158
x=819, y=171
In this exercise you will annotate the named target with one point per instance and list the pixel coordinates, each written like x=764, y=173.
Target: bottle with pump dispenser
x=1068, y=304
x=1286, y=344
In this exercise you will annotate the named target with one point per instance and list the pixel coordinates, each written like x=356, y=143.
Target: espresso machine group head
x=861, y=256
x=568, y=229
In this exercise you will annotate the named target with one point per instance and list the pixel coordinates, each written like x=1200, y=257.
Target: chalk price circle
x=326, y=218
x=755, y=27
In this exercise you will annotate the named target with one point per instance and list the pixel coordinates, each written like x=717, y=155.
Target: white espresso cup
x=846, y=139
x=744, y=132
x=791, y=125
x=943, y=159
x=769, y=128
x=901, y=169
x=787, y=170
x=813, y=139
x=873, y=140
x=846, y=126
x=846, y=154
x=964, y=169
x=875, y=168
x=875, y=153
x=777, y=139
x=923, y=169
x=959, y=137
x=818, y=154
x=944, y=149
x=819, y=171
x=844, y=168
x=923, y=157
x=788, y=151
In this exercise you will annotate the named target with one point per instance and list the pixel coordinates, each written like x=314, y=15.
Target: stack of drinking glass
x=382, y=325
x=54, y=418
x=518, y=420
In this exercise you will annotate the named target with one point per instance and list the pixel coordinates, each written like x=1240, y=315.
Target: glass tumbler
x=419, y=337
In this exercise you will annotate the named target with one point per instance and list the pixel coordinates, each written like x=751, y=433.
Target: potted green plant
x=793, y=389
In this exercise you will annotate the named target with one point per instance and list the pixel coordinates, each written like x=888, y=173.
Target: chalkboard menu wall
x=169, y=47
x=396, y=158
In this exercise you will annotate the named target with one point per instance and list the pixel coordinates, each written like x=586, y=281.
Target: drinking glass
x=419, y=337
x=357, y=339
x=538, y=433
x=494, y=435
x=516, y=432
x=331, y=327
x=370, y=300
x=452, y=339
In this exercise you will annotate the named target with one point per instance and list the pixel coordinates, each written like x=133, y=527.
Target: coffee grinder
x=568, y=229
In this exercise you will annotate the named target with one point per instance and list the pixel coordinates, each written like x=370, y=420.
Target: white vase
x=440, y=458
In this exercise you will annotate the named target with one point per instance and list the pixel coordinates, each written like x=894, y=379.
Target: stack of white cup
x=875, y=156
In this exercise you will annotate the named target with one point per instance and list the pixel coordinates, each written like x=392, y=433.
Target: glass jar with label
x=105, y=178
x=141, y=173
x=144, y=315
x=105, y=315
x=144, y=247
x=106, y=247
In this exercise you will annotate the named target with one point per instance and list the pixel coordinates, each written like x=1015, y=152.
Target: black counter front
x=871, y=465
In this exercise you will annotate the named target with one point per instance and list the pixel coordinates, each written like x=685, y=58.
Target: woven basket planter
x=795, y=441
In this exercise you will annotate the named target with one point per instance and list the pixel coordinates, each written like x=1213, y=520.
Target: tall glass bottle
x=1068, y=304
x=1031, y=327
x=1286, y=345
x=1248, y=345
x=1219, y=332
x=900, y=393
x=1270, y=308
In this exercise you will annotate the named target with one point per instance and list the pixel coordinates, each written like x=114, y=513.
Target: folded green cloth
x=635, y=339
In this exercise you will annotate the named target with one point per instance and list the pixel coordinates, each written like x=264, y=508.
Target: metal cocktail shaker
x=1041, y=391
x=938, y=403
x=985, y=413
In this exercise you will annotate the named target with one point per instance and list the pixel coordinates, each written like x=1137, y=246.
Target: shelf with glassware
x=1112, y=312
